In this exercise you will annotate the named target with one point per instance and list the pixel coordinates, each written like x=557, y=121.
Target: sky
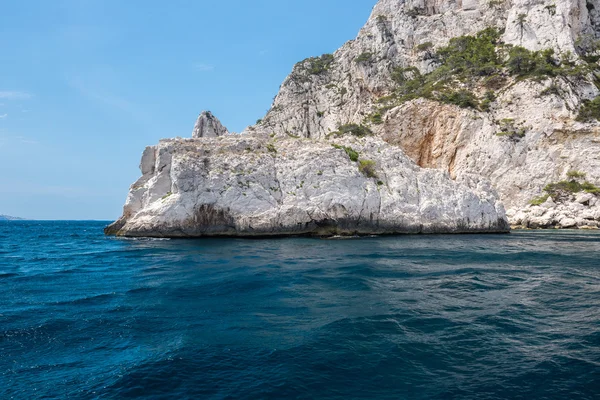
x=85, y=85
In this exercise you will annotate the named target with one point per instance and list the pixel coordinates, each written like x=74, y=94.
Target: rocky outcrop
x=209, y=126
x=251, y=185
x=322, y=94
x=515, y=120
x=579, y=211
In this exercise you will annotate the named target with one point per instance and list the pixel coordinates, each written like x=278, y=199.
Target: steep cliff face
x=399, y=131
x=322, y=93
x=255, y=186
x=525, y=135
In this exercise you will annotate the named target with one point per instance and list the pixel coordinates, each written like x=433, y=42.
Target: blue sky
x=85, y=85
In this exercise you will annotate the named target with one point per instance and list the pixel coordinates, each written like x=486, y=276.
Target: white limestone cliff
x=209, y=126
x=251, y=185
x=448, y=137
x=431, y=160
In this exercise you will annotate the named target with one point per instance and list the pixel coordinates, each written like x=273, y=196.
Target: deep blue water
x=411, y=317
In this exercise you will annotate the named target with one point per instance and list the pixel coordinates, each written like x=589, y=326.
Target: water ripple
x=419, y=317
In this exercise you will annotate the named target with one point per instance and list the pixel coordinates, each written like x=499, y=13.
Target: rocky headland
x=435, y=115
x=252, y=185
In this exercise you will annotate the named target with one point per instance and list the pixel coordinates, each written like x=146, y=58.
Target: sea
x=84, y=316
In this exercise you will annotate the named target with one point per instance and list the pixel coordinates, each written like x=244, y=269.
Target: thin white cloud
x=26, y=140
x=3, y=116
x=203, y=67
x=16, y=141
x=15, y=95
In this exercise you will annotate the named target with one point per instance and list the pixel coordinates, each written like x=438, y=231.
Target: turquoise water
x=416, y=317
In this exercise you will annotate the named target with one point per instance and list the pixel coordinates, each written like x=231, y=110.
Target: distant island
x=9, y=218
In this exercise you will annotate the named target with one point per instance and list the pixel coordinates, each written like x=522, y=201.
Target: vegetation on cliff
x=558, y=191
x=471, y=68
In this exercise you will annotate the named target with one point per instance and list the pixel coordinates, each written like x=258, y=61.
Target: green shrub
x=402, y=75
x=509, y=128
x=590, y=188
x=472, y=55
x=574, y=174
x=415, y=12
x=481, y=59
x=533, y=64
x=462, y=98
x=496, y=3
x=367, y=168
x=320, y=65
x=553, y=89
x=352, y=154
x=590, y=111
x=376, y=118
x=465, y=58
x=425, y=46
x=567, y=187
x=536, y=201
x=551, y=9
x=313, y=66
x=554, y=189
x=354, y=129
x=515, y=135
x=495, y=82
x=587, y=46
x=489, y=98
x=490, y=95
x=364, y=57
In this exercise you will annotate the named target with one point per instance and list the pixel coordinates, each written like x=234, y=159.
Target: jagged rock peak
x=207, y=125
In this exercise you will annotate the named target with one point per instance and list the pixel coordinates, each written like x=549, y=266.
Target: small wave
x=469, y=317
x=341, y=237
x=97, y=299
x=140, y=290
x=139, y=239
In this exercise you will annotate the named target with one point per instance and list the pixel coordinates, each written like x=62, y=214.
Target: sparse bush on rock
x=472, y=61
x=364, y=58
x=352, y=154
x=509, y=128
x=575, y=183
x=367, y=168
x=590, y=111
x=536, y=201
x=353, y=129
